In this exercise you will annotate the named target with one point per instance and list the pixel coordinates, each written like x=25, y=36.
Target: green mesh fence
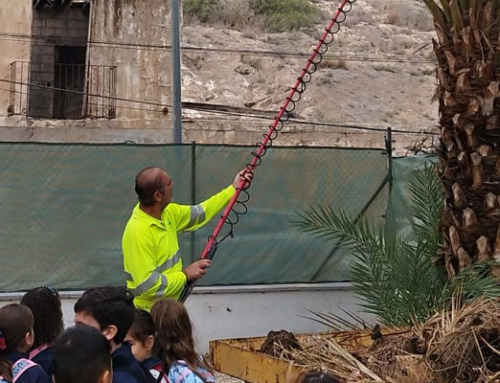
x=398, y=220
x=63, y=209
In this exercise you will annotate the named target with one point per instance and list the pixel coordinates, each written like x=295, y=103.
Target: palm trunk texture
x=467, y=50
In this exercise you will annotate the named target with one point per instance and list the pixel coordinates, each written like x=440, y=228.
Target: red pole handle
x=272, y=128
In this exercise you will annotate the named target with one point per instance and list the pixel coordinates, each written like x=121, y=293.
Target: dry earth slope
x=380, y=71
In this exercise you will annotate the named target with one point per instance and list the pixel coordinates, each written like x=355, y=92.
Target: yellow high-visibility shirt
x=151, y=257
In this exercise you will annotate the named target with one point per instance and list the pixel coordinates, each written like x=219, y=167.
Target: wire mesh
x=63, y=209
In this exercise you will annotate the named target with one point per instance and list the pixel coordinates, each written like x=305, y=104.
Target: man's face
x=167, y=191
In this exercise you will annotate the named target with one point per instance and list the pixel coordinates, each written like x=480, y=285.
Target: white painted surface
x=246, y=311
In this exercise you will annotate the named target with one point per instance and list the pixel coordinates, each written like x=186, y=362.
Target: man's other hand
x=197, y=270
x=246, y=175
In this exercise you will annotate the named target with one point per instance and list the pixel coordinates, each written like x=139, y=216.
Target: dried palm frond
x=460, y=345
x=463, y=342
x=330, y=357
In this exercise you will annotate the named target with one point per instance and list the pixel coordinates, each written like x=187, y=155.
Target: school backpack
x=159, y=375
x=19, y=368
x=181, y=373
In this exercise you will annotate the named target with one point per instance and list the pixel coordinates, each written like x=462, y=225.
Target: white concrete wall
x=221, y=313
x=142, y=74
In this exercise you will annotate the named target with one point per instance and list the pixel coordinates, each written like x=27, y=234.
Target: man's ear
x=158, y=196
x=110, y=332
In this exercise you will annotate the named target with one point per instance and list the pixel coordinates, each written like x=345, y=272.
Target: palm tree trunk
x=467, y=50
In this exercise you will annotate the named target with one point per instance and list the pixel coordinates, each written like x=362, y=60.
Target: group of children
x=112, y=341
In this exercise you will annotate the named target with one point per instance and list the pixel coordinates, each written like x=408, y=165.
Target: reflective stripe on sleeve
x=197, y=215
x=163, y=286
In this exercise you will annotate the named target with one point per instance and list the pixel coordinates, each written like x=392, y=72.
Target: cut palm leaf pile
x=460, y=345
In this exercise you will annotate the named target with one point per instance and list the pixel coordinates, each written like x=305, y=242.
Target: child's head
x=320, y=377
x=45, y=304
x=16, y=327
x=16, y=334
x=107, y=309
x=174, y=334
x=141, y=336
x=82, y=355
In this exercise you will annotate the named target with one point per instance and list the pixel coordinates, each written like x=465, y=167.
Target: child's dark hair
x=45, y=304
x=320, y=377
x=81, y=355
x=143, y=326
x=109, y=306
x=174, y=335
x=15, y=322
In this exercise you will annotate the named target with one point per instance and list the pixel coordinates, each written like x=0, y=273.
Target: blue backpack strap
x=20, y=367
x=181, y=373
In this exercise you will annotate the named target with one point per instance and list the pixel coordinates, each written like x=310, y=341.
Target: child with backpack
x=16, y=339
x=174, y=337
x=141, y=338
x=45, y=304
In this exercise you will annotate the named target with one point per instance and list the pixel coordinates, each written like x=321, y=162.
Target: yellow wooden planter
x=240, y=357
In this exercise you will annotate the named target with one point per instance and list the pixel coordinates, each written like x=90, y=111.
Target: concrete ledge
x=203, y=132
x=238, y=289
x=76, y=134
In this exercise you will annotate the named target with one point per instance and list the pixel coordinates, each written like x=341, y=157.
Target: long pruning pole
x=288, y=107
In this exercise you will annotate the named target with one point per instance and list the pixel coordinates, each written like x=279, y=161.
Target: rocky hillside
x=379, y=72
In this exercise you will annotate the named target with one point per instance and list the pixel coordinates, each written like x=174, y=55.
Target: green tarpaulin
x=63, y=209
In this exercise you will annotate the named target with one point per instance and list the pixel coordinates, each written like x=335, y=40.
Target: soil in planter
x=279, y=341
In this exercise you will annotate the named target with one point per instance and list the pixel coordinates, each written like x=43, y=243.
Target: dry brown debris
x=461, y=345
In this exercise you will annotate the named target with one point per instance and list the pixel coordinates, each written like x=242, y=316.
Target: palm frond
x=336, y=322
x=442, y=16
x=473, y=282
x=427, y=204
x=397, y=280
x=325, y=223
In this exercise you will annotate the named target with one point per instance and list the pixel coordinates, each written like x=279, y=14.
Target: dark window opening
x=69, y=74
x=58, y=82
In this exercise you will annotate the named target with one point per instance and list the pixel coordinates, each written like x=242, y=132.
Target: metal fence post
x=176, y=71
x=388, y=146
x=193, y=194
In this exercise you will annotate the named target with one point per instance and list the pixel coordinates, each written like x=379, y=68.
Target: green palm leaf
x=398, y=280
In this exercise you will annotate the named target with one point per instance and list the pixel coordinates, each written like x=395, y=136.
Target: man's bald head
x=149, y=181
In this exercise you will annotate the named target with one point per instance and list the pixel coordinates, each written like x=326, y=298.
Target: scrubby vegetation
x=203, y=10
x=285, y=15
x=272, y=15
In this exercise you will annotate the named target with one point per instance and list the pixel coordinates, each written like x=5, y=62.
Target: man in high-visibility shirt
x=151, y=257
